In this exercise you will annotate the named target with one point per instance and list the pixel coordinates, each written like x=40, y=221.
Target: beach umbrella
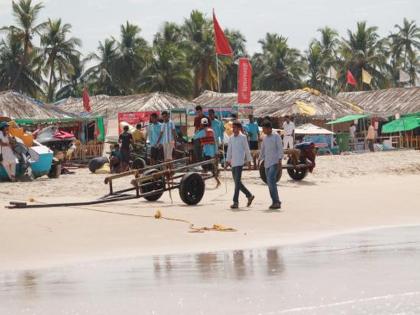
x=402, y=124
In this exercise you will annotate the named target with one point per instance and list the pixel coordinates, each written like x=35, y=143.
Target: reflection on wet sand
x=372, y=272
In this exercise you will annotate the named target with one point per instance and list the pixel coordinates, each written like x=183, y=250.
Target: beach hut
x=306, y=105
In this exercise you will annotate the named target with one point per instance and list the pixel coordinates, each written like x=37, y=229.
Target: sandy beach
x=344, y=194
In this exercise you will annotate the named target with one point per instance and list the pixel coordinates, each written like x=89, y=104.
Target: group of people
x=246, y=145
x=160, y=135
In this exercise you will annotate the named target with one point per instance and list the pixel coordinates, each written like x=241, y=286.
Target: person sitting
x=115, y=159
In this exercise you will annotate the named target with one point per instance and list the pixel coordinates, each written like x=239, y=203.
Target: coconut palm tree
x=363, y=49
x=11, y=49
x=404, y=46
x=316, y=62
x=58, y=51
x=169, y=71
x=26, y=15
x=102, y=75
x=72, y=84
x=133, y=56
x=198, y=33
x=279, y=66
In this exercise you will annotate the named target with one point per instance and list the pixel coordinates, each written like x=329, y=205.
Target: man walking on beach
x=289, y=133
x=272, y=154
x=237, y=155
x=371, y=137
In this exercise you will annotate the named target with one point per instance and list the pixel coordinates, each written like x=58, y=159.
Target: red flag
x=244, y=81
x=220, y=40
x=86, y=100
x=350, y=78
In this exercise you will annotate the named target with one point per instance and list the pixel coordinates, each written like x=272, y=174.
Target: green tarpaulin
x=403, y=124
x=347, y=119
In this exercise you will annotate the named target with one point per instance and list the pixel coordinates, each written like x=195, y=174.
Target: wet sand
x=372, y=272
x=345, y=193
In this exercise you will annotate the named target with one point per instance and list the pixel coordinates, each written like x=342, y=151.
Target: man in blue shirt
x=217, y=126
x=153, y=132
x=207, y=138
x=253, y=137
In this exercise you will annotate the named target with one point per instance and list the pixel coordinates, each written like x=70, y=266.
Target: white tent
x=310, y=129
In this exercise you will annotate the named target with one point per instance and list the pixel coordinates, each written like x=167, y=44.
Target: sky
x=298, y=20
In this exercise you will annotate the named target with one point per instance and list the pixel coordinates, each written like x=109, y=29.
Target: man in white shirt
x=167, y=136
x=289, y=133
x=238, y=154
x=352, y=131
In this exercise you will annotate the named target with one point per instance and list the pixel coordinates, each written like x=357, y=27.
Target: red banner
x=220, y=40
x=244, y=81
x=133, y=118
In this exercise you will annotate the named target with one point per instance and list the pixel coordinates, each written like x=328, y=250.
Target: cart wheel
x=191, y=189
x=138, y=163
x=55, y=170
x=297, y=174
x=151, y=185
x=262, y=173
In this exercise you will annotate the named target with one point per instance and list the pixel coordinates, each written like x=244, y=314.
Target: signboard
x=133, y=118
x=244, y=81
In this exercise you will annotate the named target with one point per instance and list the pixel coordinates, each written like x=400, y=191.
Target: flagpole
x=221, y=120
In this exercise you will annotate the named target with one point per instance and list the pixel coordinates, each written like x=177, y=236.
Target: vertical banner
x=244, y=81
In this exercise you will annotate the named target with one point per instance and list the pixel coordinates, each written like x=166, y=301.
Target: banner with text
x=133, y=118
x=244, y=81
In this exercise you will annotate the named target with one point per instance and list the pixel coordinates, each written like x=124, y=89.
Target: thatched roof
x=110, y=106
x=16, y=105
x=386, y=102
x=306, y=102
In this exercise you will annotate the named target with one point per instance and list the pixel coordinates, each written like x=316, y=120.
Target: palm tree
x=102, y=75
x=133, y=56
x=73, y=83
x=25, y=15
x=279, y=66
x=405, y=43
x=10, y=65
x=316, y=62
x=198, y=33
x=168, y=72
x=58, y=51
x=364, y=50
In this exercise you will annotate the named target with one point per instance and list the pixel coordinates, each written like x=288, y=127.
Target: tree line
x=43, y=60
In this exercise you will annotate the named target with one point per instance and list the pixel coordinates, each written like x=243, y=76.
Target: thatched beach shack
x=388, y=105
x=306, y=105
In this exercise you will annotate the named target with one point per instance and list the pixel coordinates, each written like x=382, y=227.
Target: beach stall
x=88, y=133
x=407, y=128
x=321, y=137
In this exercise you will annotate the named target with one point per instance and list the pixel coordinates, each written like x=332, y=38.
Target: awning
x=310, y=129
x=347, y=119
x=402, y=124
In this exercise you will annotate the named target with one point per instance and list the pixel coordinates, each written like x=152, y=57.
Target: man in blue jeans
x=272, y=154
x=238, y=154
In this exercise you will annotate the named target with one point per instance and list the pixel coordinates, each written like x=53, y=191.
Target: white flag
x=404, y=76
x=332, y=73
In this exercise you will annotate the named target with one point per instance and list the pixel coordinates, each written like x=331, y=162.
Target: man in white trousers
x=289, y=133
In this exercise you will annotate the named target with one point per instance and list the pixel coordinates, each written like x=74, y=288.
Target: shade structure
x=347, y=119
x=402, y=124
x=311, y=129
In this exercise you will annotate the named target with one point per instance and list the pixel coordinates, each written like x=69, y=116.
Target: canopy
x=403, y=124
x=347, y=119
x=310, y=129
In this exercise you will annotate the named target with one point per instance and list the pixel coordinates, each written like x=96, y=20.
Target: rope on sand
x=158, y=215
